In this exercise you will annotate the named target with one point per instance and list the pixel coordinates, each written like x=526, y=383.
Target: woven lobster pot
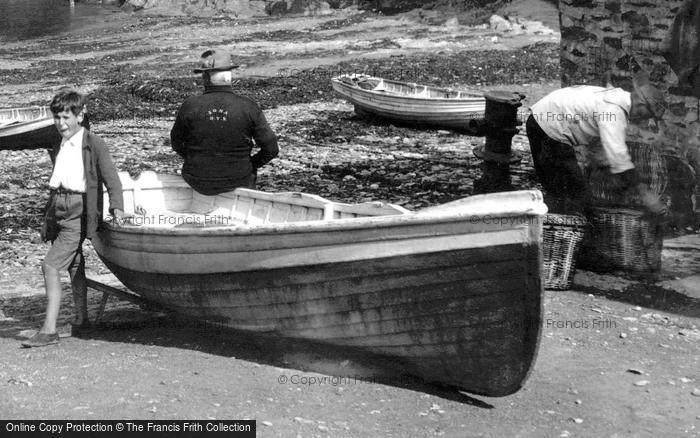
x=651, y=169
x=622, y=239
x=562, y=236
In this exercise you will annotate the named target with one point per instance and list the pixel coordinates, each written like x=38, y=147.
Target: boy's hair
x=68, y=99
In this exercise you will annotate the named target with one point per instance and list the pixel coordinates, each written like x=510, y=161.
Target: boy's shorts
x=69, y=216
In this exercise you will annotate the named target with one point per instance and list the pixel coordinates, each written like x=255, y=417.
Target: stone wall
x=660, y=37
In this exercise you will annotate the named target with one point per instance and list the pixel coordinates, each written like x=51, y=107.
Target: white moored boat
x=27, y=128
x=411, y=103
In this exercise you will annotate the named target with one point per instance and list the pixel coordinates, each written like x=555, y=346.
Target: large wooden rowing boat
x=27, y=128
x=411, y=103
x=452, y=292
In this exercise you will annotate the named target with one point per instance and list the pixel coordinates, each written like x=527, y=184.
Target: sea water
x=26, y=19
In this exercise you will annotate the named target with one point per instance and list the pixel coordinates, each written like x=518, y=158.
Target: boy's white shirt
x=69, y=171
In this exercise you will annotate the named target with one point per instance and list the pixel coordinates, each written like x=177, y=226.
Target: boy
x=82, y=164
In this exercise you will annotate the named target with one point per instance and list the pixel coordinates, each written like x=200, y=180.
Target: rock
x=500, y=24
x=691, y=335
x=641, y=383
x=452, y=23
x=635, y=371
x=342, y=425
x=204, y=8
x=19, y=381
x=134, y=5
x=577, y=420
x=696, y=392
x=266, y=423
x=276, y=7
x=27, y=333
x=298, y=7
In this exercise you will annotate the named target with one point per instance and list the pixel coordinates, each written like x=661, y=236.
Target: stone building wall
x=659, y=37
x=623, y=37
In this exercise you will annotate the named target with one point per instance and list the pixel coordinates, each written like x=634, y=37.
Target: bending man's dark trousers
x=558, y=171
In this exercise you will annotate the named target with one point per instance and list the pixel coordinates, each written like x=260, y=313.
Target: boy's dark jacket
x=99, y=169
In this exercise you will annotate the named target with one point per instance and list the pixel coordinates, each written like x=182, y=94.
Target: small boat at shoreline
x=411, y=103
x=452, y=293
x=27, y=128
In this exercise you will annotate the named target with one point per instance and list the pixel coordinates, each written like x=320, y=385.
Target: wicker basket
x=622, y=239
x=561, y=235
x=651, y=169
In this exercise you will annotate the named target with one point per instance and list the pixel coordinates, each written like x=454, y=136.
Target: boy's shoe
x=40, y=340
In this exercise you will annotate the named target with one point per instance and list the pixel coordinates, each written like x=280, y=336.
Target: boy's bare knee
x=48, y=269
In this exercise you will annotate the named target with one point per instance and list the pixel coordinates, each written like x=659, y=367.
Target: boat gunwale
x=349, y=224
x=25, y=108
x=314, y=226
x=476, y=96
x=493, y=207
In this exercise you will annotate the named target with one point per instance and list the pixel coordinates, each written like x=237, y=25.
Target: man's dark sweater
x=215, y=134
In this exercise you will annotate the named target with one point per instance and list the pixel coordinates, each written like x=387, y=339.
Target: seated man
x=215, y=132
x=566, y=123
